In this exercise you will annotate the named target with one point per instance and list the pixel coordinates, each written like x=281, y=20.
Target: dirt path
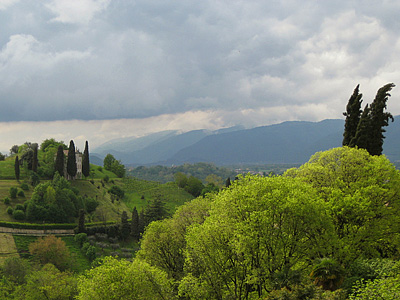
x=36, y=232
x=7, y=247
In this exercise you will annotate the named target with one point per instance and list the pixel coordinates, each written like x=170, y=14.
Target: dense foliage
x=166, y=174
x=326, y=230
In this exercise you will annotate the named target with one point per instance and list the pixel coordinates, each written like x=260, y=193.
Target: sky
x=98, y=70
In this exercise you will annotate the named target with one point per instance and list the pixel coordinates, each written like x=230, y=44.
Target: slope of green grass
x=139, y=192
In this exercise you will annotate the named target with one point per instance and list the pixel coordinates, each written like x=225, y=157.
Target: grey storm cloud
x=102, y=59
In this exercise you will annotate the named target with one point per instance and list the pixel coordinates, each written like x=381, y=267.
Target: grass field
x=7, y=247
x=140, y=192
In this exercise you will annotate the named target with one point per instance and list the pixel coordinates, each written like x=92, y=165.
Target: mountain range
x=289, y=142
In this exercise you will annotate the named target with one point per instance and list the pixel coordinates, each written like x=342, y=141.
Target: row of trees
x=364, y=128
x=28, y=154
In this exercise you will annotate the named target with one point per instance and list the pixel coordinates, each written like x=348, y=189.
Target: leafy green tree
x=122, y=280
x=71, y=161
x=108, y=161
x=51, y=249
x=164, y=243
x=180, y=179
x=16, y=269
x=14, y=149
x=117, y=191
x=47, y=283
x=387, y=288
x=352, y=114
x=194, y=186
x=262, y=226
x=113, y=165
x=361, y=192
x=16, y=168
x=85, y=161
x=47, y=144
x=59, y=164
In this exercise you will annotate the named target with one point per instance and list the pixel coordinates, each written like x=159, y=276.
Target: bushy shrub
x=21, y=193
x=13, y=192
x=25, y=186
x=6, y=201
x=10, y=210
x=18, y=214
x=19, y=207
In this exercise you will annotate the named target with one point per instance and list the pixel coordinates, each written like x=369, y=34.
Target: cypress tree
x=135, y=224
x=369, y=133
x=228, y=182
x=35, y=158
x=81, y=221
x=352, y=114
x=379, y=119
x=16, y=167
x=85, y=161
x=71, y=162
x=362, y=137
x=59, y=164
x=125, y=227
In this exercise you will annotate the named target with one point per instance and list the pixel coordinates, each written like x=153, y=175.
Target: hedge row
x=51, y=226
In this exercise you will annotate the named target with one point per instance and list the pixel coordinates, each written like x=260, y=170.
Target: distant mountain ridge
x=288, y=142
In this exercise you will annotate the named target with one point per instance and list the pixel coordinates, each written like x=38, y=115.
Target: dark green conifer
x=362, y=137
x=352, y=114
x=85, y=161
x=81, y=221
x=135, y=230
x=379, y=119
x=71, y=162
x=59, y=164
x=125, y=227
x=16, y=167
x=35, y=158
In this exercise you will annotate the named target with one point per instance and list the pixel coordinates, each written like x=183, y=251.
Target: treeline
x=165, y=174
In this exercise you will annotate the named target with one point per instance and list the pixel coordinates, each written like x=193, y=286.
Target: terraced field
x=7, y=247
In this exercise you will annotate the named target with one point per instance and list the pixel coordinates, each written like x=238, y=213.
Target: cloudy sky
x=102, y=69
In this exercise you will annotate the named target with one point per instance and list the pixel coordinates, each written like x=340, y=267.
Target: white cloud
x=76, y=12
x=4, y=4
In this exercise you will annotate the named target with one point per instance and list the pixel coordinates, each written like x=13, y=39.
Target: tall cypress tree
x=125, y=227
x=362, y=137
x=59, y=164
x=35, y=158
x=16, y=168
x=135, y=230
x=369, y=134
x=379, y=119
x=71, y=162
x=352, y=114
x=85, y=161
